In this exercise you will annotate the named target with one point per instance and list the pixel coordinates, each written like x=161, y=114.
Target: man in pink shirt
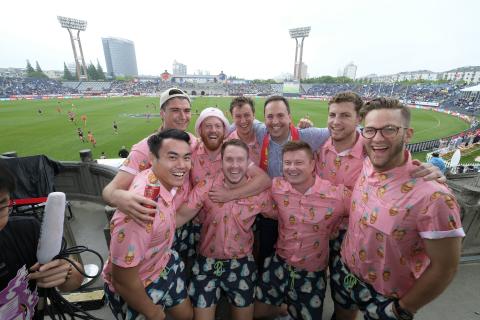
x=402, y=246
x=175, y=111
x=225, y=261
x=242, y=110
x=340, y=160
x=309, y=211
x=212, y=127
x=143, y=275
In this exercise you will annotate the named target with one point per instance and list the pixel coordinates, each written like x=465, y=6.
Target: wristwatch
x=402, y=314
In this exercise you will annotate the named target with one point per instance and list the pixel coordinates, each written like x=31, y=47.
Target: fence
x=435, y=144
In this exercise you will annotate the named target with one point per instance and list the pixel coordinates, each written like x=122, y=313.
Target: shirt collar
x=389, y=175
x=356, y=151
x=320, y=186
x=164, y=193
x=202, y=150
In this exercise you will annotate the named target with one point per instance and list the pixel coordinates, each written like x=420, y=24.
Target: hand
x=51, y=274
x=427, y=171
x=133, y=205
x=159, y=314
x=304, y=123
x=220, y=194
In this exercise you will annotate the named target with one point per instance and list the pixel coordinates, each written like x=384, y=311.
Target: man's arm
x=444, y=256
x=259, y=182
x=315, y=137
x=185, y=214
x=116, y=194
x=428, y=172
x=129, y=286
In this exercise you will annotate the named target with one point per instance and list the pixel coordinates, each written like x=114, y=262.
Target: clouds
x=250, y=38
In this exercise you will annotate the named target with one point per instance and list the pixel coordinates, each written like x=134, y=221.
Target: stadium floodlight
x=79, y=25
x=297, y=33
x=71, y=23
x=300, y=32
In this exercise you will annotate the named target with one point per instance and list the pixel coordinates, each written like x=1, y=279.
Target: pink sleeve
x=269, y=209
x=440, y=217
x=347, y=200
x=129, y=242
x=137, y=159
x=199, y=193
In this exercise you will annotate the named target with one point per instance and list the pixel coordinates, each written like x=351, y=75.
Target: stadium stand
x=447, y=96
x=29, y=86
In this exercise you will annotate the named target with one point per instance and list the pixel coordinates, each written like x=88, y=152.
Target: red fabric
x=21, y=202
x=266, y=141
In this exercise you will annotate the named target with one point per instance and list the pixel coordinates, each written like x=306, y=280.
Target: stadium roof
x=465, y=69
x=472, y=89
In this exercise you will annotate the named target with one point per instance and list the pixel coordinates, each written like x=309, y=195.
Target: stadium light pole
x=79, y=25
x=299, y=33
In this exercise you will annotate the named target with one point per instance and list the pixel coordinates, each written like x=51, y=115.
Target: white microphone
x=51, y=231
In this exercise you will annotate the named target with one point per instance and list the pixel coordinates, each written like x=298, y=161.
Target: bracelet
x=401, y=313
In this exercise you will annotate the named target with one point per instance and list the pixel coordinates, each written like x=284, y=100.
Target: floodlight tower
x=79, y=25
x=297, y=33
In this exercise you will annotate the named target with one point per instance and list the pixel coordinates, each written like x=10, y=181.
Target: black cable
x=58, y=307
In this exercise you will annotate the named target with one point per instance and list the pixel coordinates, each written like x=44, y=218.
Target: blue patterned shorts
x=301, y=290
x=235, y=277
x=352, y=293
x=335, y=246
x=167, y=290
x=181, y=241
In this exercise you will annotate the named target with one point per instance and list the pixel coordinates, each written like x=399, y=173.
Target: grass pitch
x=24, y=130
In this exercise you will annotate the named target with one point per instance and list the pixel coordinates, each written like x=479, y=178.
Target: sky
x=250, y=39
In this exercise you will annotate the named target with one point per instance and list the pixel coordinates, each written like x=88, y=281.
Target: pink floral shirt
x=390, y=216
x=306, y=222
x=138, y=160
x=226, y=227
x=254, y=148
x=202, y=166
x=145, y=246
x=340, y=168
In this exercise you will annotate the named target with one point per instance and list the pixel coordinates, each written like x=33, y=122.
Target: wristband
x=401, y=313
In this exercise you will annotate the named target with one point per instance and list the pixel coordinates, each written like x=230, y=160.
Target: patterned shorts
x=301, y=290
x=335, y=246
x=181, y=241
x=352, y=293
x=167, y=290
x=235, y=277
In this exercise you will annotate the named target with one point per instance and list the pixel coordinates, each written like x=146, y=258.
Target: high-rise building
x=302, y=71
x=120, y=57
x=179, y=69
x=350, y=71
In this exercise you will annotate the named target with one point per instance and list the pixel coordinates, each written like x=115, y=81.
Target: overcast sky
x=250, y=39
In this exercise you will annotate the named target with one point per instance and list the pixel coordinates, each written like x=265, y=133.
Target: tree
x=37, y=67
x=67, y=75
x=328, y=79
x=35, y=73
x=100, y=73
x=29, y=68
x=92, y=72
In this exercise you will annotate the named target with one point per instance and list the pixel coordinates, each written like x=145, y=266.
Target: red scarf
x=266, y=141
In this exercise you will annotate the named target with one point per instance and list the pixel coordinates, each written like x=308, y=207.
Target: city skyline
x=381, y=38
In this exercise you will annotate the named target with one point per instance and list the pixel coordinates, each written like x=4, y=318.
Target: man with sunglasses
x=402, y=246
